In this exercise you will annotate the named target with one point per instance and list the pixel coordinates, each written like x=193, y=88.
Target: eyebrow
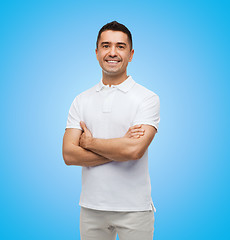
x=120, y=43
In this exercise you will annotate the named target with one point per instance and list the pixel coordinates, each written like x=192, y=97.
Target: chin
x=111, y=72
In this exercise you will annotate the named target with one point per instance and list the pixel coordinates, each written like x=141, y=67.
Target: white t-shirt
x=108, y=112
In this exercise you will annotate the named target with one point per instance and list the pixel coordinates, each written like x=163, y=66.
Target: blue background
x=47, y=58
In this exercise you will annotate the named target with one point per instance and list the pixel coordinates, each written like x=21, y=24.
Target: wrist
x=89, y=143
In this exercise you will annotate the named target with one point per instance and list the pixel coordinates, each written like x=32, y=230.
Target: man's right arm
x=73, y=154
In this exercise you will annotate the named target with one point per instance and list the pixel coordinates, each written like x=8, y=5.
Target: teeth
x=112, y=61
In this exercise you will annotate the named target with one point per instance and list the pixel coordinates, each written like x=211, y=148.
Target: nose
x=113, y=52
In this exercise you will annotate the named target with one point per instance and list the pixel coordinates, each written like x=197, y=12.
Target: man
x=109, y=129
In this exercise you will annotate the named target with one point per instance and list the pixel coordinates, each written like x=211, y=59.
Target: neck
x=113, y=79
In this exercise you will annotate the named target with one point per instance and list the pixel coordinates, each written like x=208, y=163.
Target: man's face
x=113, y=52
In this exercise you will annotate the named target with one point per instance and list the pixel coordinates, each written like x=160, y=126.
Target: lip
x=112, y=62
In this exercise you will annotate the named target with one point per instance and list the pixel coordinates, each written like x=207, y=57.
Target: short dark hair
x=116, y=26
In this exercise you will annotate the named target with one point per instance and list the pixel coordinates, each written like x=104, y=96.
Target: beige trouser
x=105, y=225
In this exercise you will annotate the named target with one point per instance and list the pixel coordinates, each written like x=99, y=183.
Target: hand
x=85, y=137
x=135, y=132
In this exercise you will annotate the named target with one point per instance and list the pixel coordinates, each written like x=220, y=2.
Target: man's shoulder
x=143, y=92
x=87, y=93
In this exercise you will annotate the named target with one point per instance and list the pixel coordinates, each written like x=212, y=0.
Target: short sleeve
x=74, y=119
x=148, y=112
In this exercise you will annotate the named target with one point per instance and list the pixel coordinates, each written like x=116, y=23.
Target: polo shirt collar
x=124, y=86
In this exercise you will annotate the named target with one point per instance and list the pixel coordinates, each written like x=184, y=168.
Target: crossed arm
x=80, y=148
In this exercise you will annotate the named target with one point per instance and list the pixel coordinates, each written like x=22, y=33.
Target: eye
x=121, y=47
x=105, y=46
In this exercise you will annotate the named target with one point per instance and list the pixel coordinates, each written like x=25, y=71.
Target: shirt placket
x=108, y=99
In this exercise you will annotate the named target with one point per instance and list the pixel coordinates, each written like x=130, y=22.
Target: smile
x=112, y=61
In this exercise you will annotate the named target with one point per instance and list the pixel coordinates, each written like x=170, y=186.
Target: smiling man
x=109, y=129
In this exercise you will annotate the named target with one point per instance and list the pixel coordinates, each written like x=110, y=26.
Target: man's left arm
x=119, y=149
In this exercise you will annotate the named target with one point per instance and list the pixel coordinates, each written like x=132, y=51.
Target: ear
x=131, y=55
x=96, y=51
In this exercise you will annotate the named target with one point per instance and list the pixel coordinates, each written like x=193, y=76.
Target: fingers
x=136, y=132
x=135, y=136
x=136, y=126
x=82, y=124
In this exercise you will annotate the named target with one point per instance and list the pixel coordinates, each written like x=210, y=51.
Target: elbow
x=136, y=154
x=66, y=157
x=70, y=158
x=67, y=162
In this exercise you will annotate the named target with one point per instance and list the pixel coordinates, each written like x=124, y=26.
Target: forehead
x=113, y=36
